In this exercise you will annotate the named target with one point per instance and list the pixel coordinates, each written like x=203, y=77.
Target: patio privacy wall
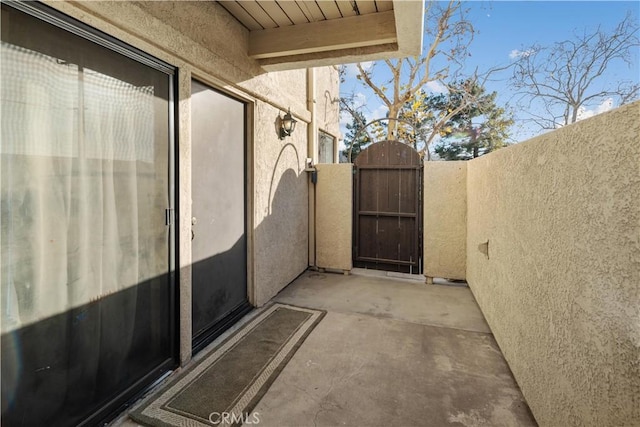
x=206, y=43
x=334, y=216
x=561, y=286
x=445, y=219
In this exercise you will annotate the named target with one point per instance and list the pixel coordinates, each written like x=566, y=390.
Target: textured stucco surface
x=198, y=36
x=323, y=98
x=561, y=287
x=280, y=206
x=334, y=220
x=184, y=221
x=204, y=42
x=327, y=97
x=445, y=219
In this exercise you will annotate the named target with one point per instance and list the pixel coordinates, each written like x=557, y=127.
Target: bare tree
x=448, y=34
x=556, y=83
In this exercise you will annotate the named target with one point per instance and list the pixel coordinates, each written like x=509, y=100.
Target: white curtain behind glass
x=74, y=147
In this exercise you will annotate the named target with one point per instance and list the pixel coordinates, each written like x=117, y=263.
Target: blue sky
x=504, y=27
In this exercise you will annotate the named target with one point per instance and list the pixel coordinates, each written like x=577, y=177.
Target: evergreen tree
x=358, y=121
x=447, y=37
x=478, y=128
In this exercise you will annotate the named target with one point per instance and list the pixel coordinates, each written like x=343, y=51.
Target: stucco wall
x=198, y=37
x=327, y=98
x=445, y=219
x=561, y=287
x=280, y=206
x=334, y=216
x=204, y=42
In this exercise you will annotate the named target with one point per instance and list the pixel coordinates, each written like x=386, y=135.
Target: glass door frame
x=45, y=13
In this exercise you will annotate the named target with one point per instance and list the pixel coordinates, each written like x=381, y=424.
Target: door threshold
x=205, y=338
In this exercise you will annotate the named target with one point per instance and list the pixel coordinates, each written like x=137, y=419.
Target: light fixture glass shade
x=288, y=124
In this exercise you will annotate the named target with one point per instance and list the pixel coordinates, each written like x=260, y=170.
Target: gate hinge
x=169, y=216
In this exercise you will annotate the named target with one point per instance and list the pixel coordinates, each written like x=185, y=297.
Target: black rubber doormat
x=226, y=384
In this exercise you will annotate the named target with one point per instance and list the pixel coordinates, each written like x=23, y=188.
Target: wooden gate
x=388, y=208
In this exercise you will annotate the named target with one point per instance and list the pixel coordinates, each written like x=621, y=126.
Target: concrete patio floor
x=391, y=351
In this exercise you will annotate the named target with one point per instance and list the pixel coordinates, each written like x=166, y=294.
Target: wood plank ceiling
x=269, y=14
x=289, y=34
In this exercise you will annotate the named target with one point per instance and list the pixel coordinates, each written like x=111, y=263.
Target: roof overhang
x=359, y=31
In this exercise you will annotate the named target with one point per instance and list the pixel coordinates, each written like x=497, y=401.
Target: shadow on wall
x=219, y=283
x=281, y=236
x=329, y=100
x=287, y=172
x=65, y=368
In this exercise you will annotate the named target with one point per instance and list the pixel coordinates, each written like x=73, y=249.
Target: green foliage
x=464, y=118
x=359, y=139
x=417, y=122
x=447, y=37
x=476, y=127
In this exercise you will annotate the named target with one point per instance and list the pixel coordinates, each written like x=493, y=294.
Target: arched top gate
x=387, y=208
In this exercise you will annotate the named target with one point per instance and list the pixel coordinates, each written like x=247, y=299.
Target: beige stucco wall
x=280, y=206
x=561, y=287
x=204, y=42
x=334, y=216
x=445, y=219
x=323, y=98
x=327, y=97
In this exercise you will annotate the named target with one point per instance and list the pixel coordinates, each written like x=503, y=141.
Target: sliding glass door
x=86, y=291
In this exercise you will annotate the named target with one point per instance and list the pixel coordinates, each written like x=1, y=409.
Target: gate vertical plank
x=387, y=207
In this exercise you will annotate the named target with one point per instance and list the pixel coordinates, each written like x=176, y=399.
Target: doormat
x=225, y=385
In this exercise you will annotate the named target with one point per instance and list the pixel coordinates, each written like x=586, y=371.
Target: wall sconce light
x=287, y=124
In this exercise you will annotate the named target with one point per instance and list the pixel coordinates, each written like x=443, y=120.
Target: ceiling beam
x=330, y=57
x=409, y=17
x=330, y=35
